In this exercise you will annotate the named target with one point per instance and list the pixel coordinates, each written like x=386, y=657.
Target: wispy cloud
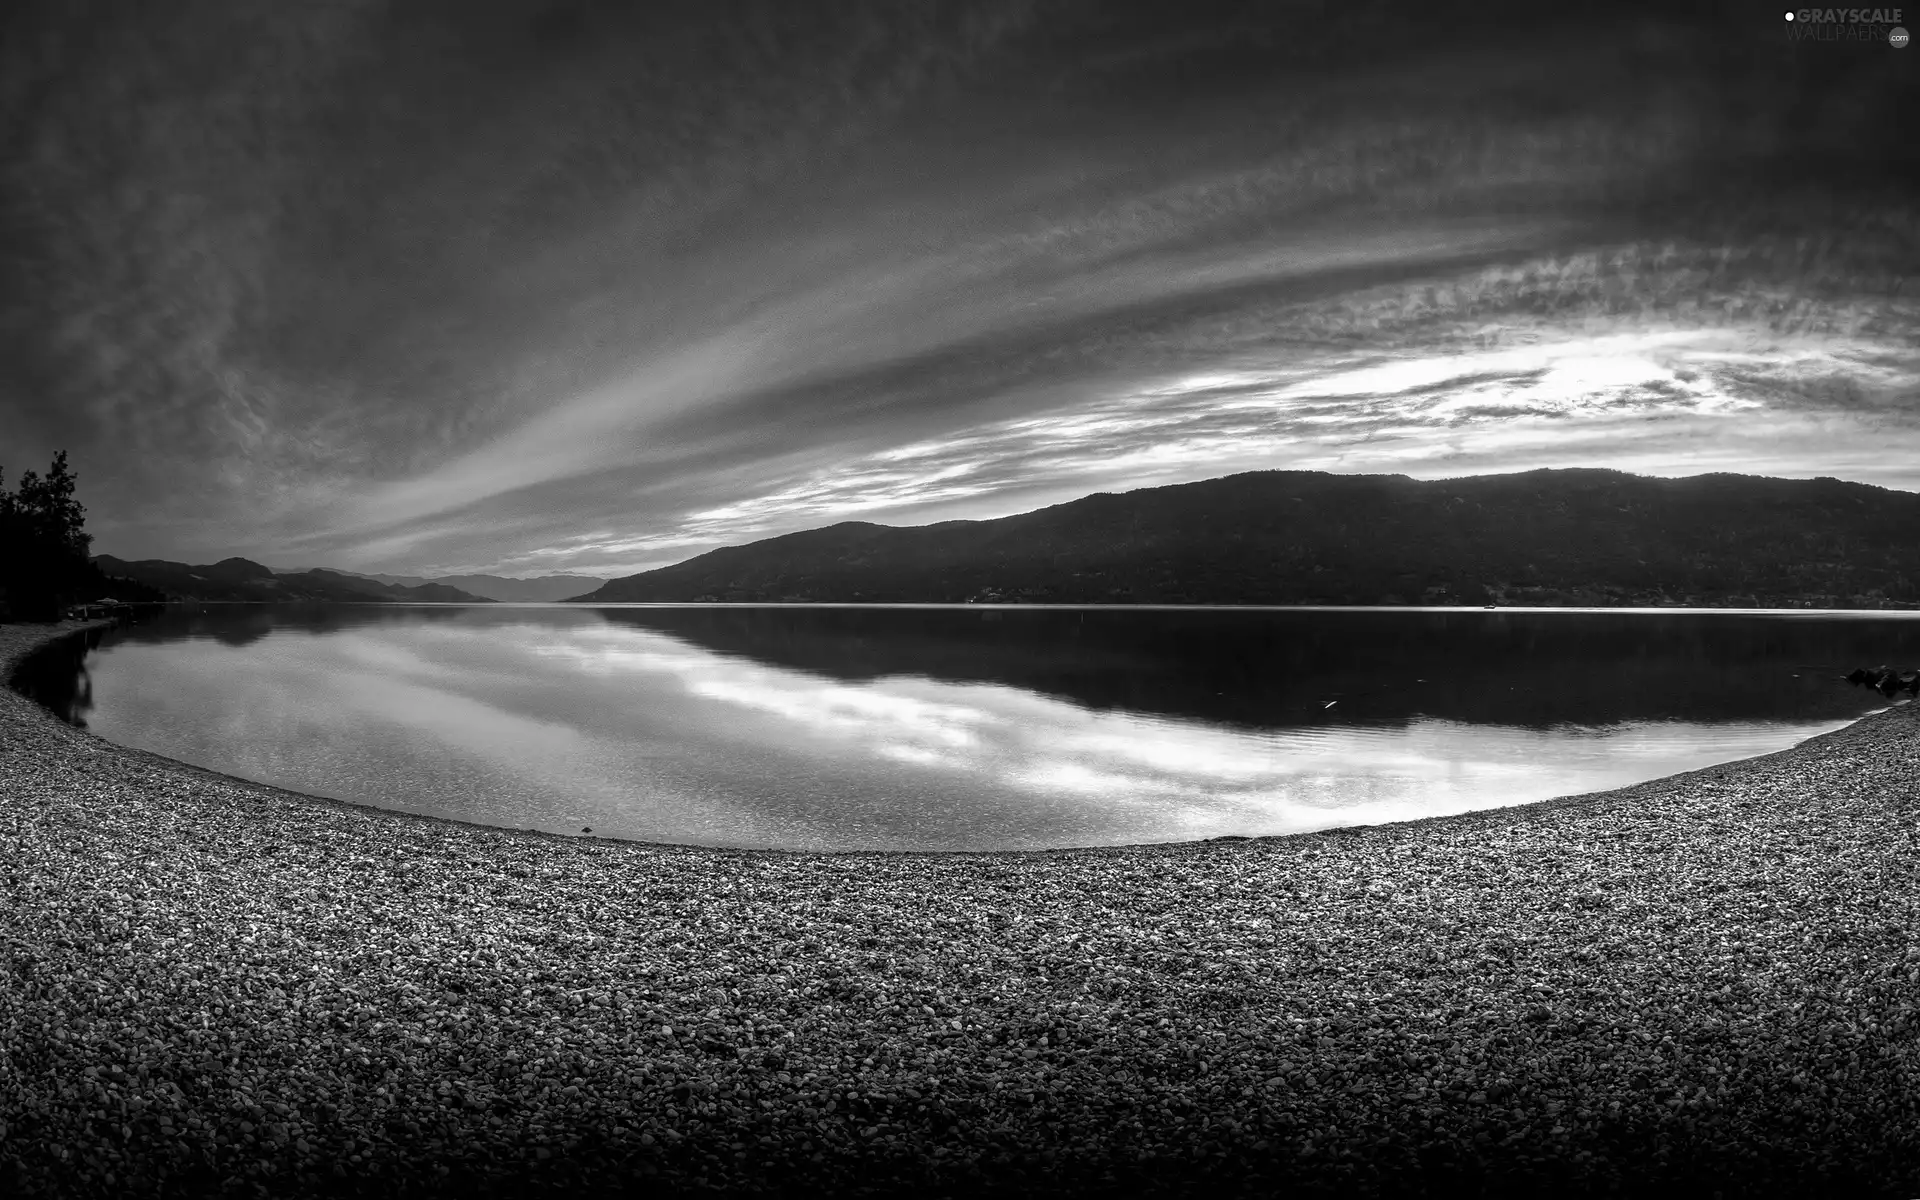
x=545, y=287
x=1658, y=401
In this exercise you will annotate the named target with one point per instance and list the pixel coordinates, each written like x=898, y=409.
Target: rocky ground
x=1708, y=982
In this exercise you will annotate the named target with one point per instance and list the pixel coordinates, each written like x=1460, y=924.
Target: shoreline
x=1073, y=606
x=1706, y=980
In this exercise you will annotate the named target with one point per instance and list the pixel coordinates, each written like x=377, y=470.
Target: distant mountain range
x=242, y=579
x=496, y=587
x=1566, y=537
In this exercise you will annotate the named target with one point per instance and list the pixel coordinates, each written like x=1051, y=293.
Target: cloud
x=552, y=286
x=1664, y=401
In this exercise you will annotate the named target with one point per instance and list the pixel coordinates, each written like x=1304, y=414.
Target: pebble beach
x=1707, y=983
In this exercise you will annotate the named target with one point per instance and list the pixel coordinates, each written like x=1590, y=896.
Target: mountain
x=433, y=592
x=496, y=587
x=544, y=587
x=1586, y=537
x=402, y=580
x=242, y=579
x=234, y=571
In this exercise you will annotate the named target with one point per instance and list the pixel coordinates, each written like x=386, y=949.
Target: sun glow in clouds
x=1394, y=412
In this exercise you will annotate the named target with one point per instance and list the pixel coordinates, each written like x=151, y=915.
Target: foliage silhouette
x=43, y=549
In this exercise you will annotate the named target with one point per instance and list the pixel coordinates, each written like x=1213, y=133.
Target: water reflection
x=941, y=729
x=1262, y=668
x=56, y=676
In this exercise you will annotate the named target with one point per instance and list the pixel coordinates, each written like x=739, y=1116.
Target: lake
x=975, y=728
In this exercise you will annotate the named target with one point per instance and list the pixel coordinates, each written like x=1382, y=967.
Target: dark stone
x=1885, y=679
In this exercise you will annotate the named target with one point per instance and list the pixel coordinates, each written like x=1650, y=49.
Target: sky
x=537, y=286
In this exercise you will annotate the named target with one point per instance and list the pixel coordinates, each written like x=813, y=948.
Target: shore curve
x=214, y=986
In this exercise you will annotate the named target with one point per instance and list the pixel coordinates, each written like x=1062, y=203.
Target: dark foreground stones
x=1703, y=984
x=1886, y=680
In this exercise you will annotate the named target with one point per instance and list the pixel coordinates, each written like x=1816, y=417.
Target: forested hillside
x=1301, y=537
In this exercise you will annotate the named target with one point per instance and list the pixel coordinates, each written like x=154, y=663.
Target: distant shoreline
x=1067, y=607
x=1700, y=981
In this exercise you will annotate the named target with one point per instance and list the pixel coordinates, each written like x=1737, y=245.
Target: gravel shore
x=1707, y=982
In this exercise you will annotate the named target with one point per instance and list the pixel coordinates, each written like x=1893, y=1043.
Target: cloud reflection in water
x=560, y=723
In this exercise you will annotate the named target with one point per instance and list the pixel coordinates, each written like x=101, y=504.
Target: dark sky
x=455, y=285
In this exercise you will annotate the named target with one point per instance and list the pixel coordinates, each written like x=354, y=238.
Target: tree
x=43, y=544
x=52, y=516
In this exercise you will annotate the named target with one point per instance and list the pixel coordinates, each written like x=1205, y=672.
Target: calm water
x=961, y=728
